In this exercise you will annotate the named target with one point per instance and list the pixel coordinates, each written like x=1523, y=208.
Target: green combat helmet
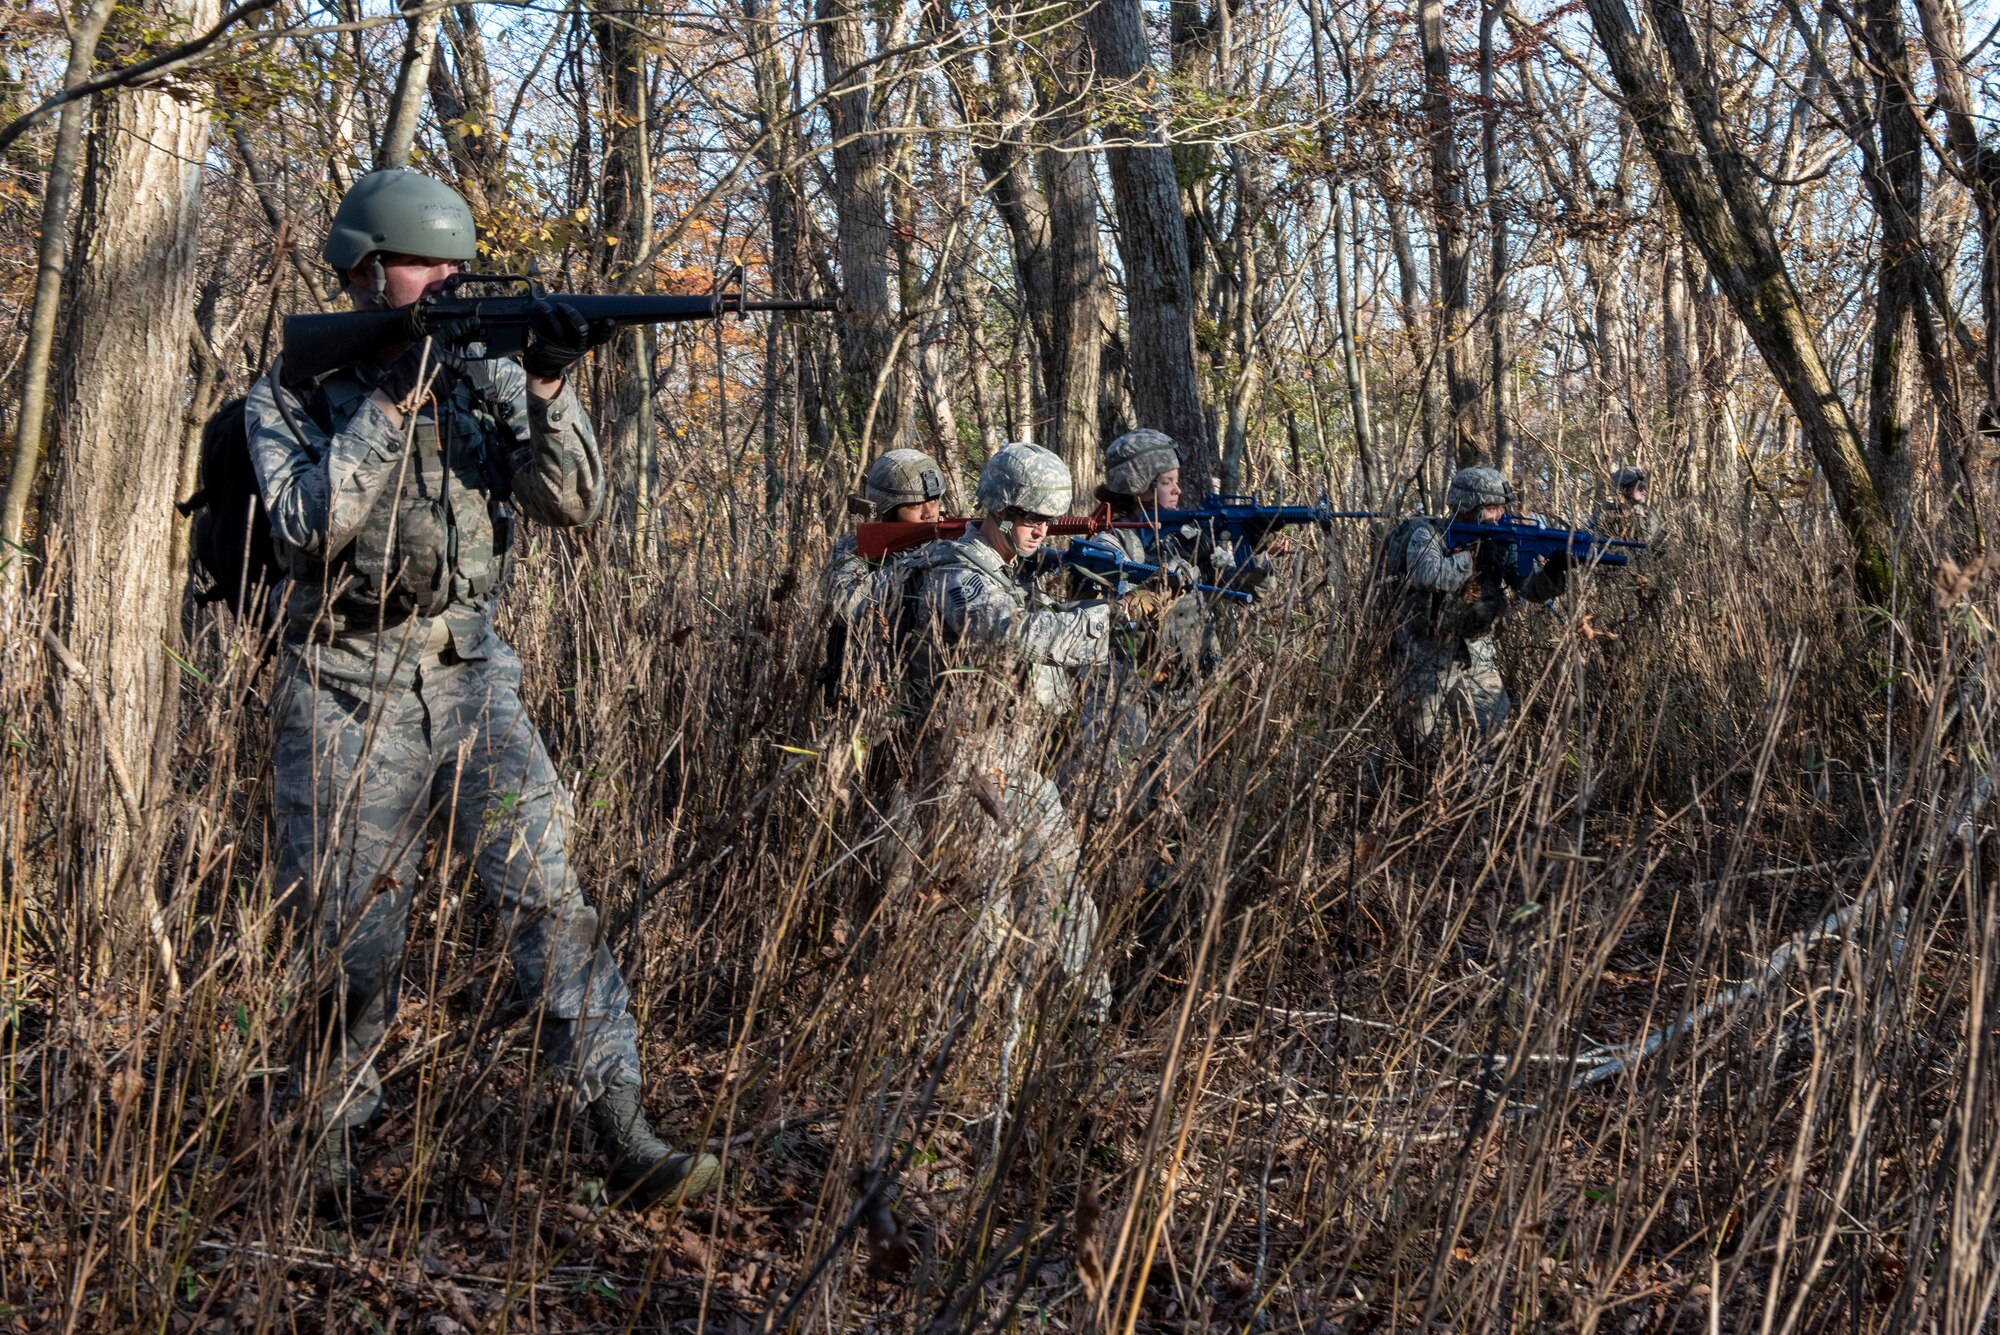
x=1473, y=487
x=400, y=213
x=900, y=477
x=1024, y=477
x=1134, y=460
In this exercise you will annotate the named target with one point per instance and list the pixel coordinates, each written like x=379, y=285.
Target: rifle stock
x=885, y=537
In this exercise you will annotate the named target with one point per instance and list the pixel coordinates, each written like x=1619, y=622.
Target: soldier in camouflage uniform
x=1135, y=740
x=1447, y=669
x=391, y=486
x=903, y=486
x=994, y=668
x=1634, y=592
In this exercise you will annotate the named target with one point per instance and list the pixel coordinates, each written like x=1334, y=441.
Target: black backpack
x=232, y=533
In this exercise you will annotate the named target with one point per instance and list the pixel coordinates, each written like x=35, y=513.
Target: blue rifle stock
x=1113, y=569
x=1247, y=522
x=1535, y=539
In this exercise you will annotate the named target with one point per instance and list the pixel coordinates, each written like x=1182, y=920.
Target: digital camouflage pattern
x=378, y=523
x=401, y=711
x=899, y=477
x=1026, y=477
x=358, y=778
x=986, y=632
x=1448, y=672
x=1135, y=460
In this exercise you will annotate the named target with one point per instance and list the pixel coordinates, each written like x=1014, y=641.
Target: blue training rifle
x=1108, y=566
x=1535, y=539
x=1247, y=522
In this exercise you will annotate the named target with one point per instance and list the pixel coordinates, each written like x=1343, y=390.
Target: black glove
x=1555, y=572
x=558, y=338
x=399, y=378
x=1250, y=577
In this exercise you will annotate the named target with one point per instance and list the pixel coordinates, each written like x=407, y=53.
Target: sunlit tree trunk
x=861, y=154
x=1152, y=241
x=118, y=440
x=1454, y=287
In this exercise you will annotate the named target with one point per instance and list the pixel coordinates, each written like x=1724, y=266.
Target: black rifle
x=489, y=312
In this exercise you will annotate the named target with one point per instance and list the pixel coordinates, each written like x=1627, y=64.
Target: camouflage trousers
x=360, y=780
x=1033, y=913
x=1443, y=692
x=1137, y=751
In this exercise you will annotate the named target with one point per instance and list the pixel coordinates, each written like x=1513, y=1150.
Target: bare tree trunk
x=625, y=214
x=1077, y=334
x=1496, y=215
x=861, y=156
x=1152, y=242
x=1454, y=290
x=399, y=134
x=462, y=92
x=51, y=257
x=118, y=436
x=1944, y=37
x=1357, y=389
x=1678, y=340
x=1899, y=303
x=1410, y=307
x=969, y=296
x=1723, y=214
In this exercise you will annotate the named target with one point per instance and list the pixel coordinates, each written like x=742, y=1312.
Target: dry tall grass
x=1390, y=1076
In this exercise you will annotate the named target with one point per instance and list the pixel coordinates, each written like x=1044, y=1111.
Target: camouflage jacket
x=976, y=606
x=1439, y=579
x=398, y=539
x=1184, y=644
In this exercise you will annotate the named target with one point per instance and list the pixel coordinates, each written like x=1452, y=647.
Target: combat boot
x=644, y=1172
x=332, y=1177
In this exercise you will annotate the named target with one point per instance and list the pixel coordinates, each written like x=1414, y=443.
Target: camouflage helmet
x=1628, y=477
x=1473, y=487
x=403, y=213
x=900, y=477
x=1136, y=459
x=1024, y=477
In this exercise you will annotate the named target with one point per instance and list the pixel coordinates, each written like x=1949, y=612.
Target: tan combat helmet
x=900, y=477
x=1136, y=459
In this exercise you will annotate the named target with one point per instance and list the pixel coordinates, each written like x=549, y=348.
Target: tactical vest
x=441, y=531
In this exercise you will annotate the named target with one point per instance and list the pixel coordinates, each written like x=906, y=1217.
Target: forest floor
x=1390, y=1075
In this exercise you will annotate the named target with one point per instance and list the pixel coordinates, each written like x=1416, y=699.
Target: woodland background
x=1396, y=1073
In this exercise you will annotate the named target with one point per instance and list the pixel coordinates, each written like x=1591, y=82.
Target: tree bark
x=1350, y=359
x=1899, y=287
x=1496, y=216
x=1454, y=287
x=1076, y=334
x=462, y=92
x=51, y=258
x=1152, y=243
x=118, y=436
x=399, y=133
x=861, y=155
x=625, y=215
x=1422, y=348
x=1721, y=211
